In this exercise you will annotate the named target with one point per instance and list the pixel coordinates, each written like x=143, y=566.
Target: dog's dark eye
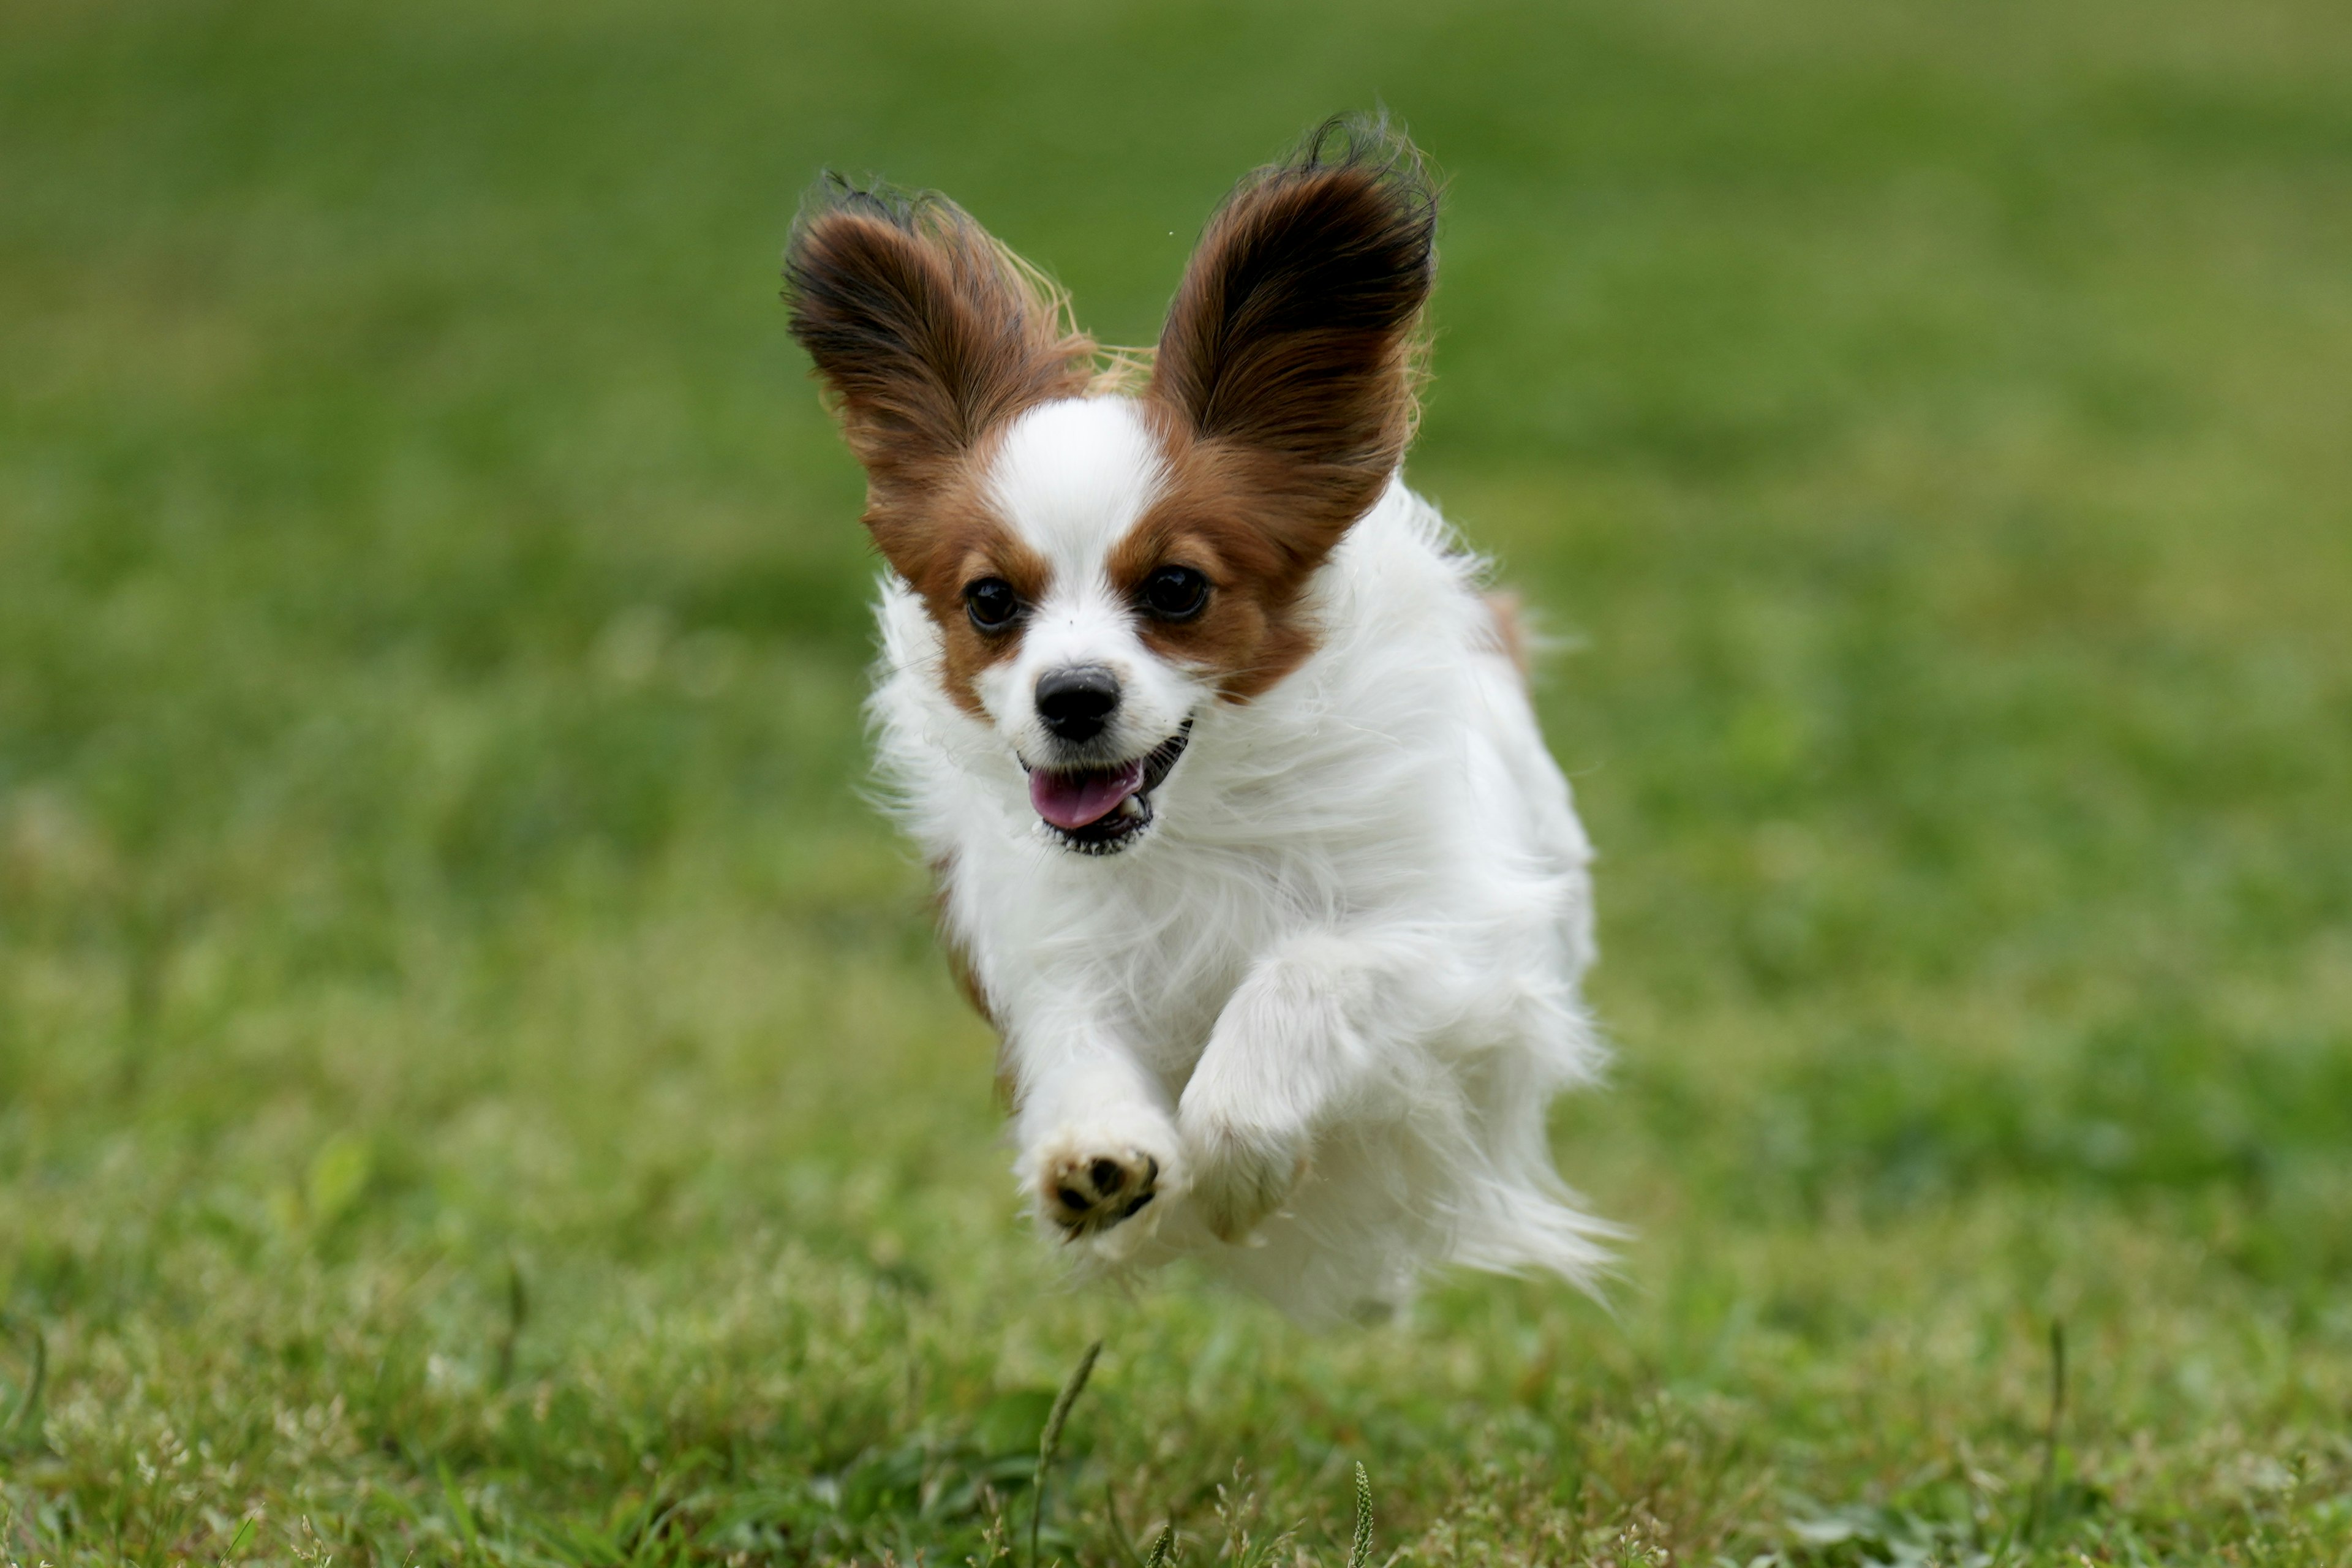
x=992, y=603
x=1175, y=593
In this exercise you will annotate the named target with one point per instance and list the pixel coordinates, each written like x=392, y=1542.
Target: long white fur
x=1347, y=954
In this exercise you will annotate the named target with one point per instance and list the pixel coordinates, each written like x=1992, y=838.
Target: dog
x=1246, y=839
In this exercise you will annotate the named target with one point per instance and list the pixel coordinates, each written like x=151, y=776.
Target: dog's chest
x=1165, y=950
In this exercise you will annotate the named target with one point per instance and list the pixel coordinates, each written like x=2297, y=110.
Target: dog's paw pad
x=1088, y=1194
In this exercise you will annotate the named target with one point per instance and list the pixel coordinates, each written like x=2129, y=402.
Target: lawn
x=476, y=1084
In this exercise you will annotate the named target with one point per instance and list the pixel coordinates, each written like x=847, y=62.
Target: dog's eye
x=992, y=603
x=1175, y=593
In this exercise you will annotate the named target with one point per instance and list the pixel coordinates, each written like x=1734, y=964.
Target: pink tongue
x=1072, y=801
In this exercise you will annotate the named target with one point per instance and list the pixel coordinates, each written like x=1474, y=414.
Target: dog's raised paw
x=1086, y=1194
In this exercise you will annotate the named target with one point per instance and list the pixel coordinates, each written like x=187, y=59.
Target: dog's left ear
x=1290, y=343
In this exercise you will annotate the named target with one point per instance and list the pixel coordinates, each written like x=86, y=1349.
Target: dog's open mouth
x=1097, y=810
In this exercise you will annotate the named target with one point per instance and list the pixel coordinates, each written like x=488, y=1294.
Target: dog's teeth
x=1130, y=806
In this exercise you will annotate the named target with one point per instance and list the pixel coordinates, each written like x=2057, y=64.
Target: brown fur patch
x=960, y=964
x=1293, y=331
x=1283, y=391
x=1221, y=515
x=966, y=977
x=954, y=538
x=1511, y=639
x=928, y=336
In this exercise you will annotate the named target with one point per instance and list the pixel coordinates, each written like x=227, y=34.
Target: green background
x=475, y=1082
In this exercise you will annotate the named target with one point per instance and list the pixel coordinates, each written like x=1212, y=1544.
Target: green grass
x=475, y=1083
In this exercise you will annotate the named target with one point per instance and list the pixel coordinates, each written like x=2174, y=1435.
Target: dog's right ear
x=925, y=332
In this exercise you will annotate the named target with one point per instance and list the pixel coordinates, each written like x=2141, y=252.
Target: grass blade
x=27, y=1415
x=236, y=1544
x=1051, y=1443
x=2045, y=1490
x=464, y=1516
x=1359, y=1552
x=517, y=1314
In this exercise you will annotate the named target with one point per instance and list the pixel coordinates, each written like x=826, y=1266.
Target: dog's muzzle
x=1102, y=810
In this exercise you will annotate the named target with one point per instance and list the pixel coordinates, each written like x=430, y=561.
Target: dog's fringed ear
x=927, y=332
x=1295, y=329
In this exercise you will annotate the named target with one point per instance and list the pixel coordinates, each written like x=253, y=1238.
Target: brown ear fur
x=927, y=332
x=1291, y=338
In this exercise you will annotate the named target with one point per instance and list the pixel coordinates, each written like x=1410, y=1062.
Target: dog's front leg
x=1098, y=1148
x=1302, y=1040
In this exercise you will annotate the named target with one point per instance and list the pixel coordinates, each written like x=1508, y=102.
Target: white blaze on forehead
x=1072, y=477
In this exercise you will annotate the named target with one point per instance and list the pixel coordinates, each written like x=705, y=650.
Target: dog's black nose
x=1078, y=702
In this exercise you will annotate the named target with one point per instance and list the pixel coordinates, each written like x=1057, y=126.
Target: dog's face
x=1105, y=567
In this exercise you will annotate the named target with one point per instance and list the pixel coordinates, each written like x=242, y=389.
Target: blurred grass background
x=474, y=1079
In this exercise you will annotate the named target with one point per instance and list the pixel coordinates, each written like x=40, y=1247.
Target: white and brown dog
x=1247, y=842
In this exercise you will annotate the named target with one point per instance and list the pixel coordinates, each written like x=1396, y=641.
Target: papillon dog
x=1245, y=839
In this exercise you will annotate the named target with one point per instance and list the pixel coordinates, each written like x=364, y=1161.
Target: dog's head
x=1104, y=564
